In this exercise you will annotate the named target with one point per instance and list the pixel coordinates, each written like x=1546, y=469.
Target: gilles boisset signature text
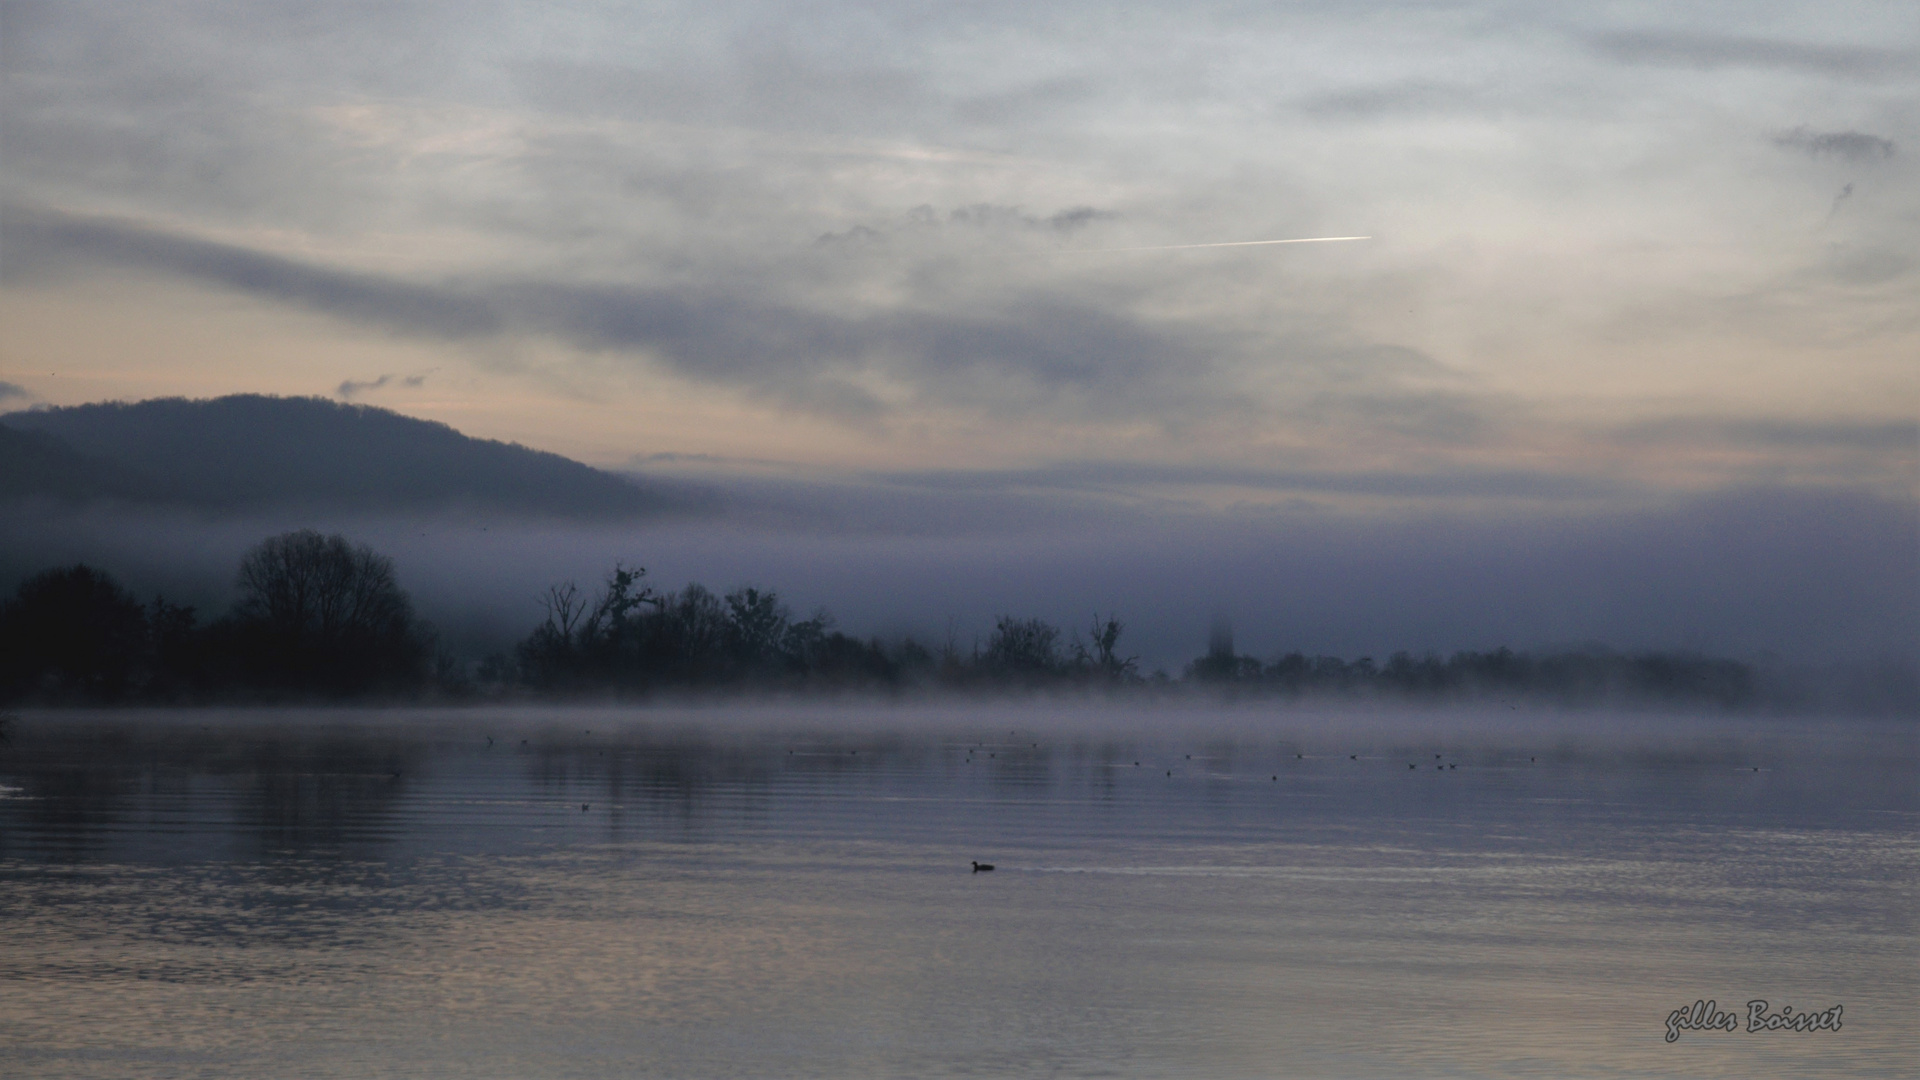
x=1706, y=1016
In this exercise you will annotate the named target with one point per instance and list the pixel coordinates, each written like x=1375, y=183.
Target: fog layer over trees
x=321, y=618
x=170, y=494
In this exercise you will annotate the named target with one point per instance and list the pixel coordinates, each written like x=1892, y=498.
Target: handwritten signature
x=1705, y=1015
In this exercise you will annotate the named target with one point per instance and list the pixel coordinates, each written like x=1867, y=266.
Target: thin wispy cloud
x=1404, y=98
x=350, y=388
x=1707, y=51
x=1222, y=244
x=1115, y=477
x=1856, y=146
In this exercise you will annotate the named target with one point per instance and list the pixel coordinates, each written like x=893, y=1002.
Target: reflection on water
x=704, y=894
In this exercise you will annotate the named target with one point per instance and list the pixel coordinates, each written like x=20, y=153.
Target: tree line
x=320, y=618
x=629, y=638
x=316, y=617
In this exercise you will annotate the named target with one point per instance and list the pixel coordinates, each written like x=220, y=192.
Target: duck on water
x=980, y=866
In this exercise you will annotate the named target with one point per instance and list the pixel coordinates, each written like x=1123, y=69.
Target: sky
x=1623, y=260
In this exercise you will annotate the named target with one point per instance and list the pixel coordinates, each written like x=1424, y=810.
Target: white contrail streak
x=1229, y=243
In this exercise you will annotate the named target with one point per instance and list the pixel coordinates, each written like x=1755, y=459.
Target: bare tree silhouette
x=319, y=613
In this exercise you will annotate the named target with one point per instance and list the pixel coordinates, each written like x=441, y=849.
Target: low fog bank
x=1811, y=587
x=1313, y=730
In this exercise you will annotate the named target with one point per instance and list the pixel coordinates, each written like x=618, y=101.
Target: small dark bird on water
x=1353, y=757
x=583, y=808
x=979, y=866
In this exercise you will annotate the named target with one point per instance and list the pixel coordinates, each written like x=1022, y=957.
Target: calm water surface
x=729, y=893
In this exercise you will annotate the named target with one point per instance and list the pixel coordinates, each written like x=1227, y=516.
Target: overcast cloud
x=1618, y=257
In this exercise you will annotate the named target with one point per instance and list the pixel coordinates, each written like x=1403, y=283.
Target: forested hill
x=36, y=463
x=249, y=451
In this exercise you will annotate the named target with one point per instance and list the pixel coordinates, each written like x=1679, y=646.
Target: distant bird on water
x=980, y=866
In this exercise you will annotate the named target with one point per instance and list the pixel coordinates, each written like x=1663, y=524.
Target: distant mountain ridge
x=250, y=451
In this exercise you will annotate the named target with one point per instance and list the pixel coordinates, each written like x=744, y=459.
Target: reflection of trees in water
x=679, y=778
x=329, y=792
x=685, y=776
x=76, y=783
x=61, y=811
x=82, y=781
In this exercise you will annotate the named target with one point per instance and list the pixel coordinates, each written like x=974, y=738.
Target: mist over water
x=965, y=357
x=1201, y=891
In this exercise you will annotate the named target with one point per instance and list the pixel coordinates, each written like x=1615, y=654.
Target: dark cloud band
x=1704, y=51
x=43, y=239
x=1051, y=344
x=1850, y=145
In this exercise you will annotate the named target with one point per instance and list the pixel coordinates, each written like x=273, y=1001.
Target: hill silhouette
x=250, y=451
